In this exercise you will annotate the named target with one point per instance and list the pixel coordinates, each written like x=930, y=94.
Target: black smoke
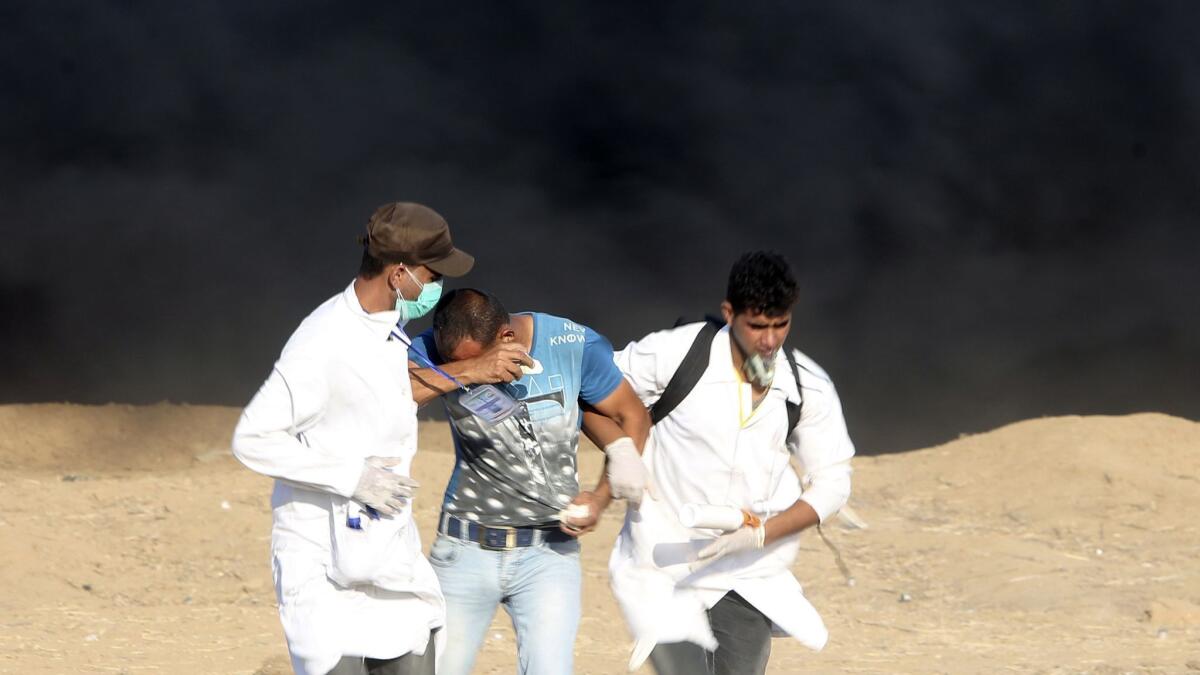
x=991, y=206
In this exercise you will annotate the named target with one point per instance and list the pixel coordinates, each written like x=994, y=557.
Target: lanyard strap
x=398, y=333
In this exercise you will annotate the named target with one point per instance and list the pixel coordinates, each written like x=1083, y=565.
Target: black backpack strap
x=694, y=363
x=793, y=409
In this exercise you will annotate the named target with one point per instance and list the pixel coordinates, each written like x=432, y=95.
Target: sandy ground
x=133, y=543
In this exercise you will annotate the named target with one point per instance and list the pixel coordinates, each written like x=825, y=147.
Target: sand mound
x=73, y=439
x=1047, y=466
x=1059, y=545
x=1068, y=477
x=1075, y=526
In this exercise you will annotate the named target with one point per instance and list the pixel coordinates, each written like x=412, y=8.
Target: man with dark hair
x=467, y=315
x=512, y=508
x=701, y=569
x=761, y=282
x=335, y=426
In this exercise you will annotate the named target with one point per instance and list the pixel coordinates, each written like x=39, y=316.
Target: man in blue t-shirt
x=513, y=507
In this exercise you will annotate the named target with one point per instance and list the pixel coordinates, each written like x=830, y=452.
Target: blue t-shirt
x=521, y=471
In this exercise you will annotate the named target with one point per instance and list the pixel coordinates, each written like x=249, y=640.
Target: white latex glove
x=382, y=490
x=745, y=538
x=626, y=471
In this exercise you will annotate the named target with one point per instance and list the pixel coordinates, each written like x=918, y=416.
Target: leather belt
x=500, y=538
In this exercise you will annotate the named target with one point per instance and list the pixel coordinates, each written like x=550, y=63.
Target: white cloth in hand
x=381, y=489
x=746, y=538
x=626, y=471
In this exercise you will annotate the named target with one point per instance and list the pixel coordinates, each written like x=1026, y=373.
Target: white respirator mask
x=759, y=370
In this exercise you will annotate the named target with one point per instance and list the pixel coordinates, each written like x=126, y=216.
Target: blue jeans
x=539, y=586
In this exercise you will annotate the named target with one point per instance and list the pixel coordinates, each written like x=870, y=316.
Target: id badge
x=488, y=403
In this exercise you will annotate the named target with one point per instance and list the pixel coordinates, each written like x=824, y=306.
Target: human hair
x=467, y=313
x=370, y=267
x=761, y=282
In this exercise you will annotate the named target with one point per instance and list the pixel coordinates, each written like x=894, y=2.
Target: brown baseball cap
x=413, y=234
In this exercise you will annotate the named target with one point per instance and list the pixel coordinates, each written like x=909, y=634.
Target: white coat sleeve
x=821, y=445
x=638, y=362
x=268, y=437
x=648, y=364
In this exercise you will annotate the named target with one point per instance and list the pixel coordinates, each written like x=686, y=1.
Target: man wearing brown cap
x=335, y=426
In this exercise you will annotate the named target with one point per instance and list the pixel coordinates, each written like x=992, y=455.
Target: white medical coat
x=704, y=453
x=339, y=392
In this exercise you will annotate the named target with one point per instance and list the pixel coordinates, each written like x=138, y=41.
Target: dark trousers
x=743, y=644
x=409, y=664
